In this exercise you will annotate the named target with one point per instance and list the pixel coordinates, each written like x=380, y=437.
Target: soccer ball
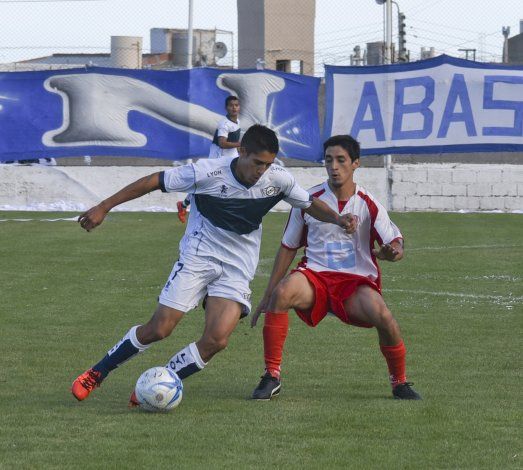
x=159, y=389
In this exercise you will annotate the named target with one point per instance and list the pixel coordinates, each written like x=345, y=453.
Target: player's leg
x=367, y=305
x=294, y=291
x=182, y=292
x=221, y=317
x=135, y=341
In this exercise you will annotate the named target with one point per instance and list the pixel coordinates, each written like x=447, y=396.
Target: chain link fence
x=293, y=35
x=298, y=36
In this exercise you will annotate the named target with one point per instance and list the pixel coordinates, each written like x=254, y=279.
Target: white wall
x=454, y=187
x=430, y=187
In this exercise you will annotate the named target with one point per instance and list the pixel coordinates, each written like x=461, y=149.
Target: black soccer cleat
x=405, y=391
x=268, y=388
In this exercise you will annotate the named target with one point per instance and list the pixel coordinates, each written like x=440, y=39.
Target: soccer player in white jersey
x=225, y=143
x=218, y=253
x=337, y=274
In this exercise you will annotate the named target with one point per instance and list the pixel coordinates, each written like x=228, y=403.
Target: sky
x=35, y=28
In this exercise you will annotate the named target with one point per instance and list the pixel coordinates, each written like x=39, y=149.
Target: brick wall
x=454, y=187
x=420, y=187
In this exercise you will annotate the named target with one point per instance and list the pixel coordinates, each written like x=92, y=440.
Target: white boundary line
x=459, y=247
x=73, y=219
x=505, y=298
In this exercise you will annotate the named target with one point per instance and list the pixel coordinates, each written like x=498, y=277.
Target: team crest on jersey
x=271, y=191
x=223, y=190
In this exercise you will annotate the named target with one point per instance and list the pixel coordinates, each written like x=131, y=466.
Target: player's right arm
x=96, y=215
x=179, y=179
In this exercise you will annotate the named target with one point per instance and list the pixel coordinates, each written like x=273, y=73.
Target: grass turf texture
x=68, y=296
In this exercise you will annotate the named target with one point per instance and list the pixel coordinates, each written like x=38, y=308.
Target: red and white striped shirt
x=328, y=247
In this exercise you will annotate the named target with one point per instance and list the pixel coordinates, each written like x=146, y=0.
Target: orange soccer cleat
x=86, y=383
x=182, y=212
x=133, y=401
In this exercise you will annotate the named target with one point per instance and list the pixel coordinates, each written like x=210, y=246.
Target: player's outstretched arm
x=96, y=215
x=392, y=251
x=283, y=260
x=321, y=211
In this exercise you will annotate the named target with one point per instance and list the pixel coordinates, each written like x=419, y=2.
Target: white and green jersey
x=225, y=218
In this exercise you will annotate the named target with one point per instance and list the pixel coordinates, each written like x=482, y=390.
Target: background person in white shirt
x=337, y=274
x=225, y=143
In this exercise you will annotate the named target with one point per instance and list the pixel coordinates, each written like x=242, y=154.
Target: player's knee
x=154, y=331
x=389, y=324
x=162, y=332
x=281, y=298
x=215, y=344
x=384, y=318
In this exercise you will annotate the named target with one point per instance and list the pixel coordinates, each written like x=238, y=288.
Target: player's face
x=252, y=166
x=340, y=167
x=233, y=108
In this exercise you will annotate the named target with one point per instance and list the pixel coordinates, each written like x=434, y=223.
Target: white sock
x=187, y=361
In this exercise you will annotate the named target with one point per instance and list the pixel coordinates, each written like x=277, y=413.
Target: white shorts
x=193, y=277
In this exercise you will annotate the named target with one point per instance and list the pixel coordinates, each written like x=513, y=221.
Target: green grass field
x=68, y=296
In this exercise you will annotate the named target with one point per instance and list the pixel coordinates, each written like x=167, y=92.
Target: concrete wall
x=289, y=32
x=276, y=30
x=454, y=187
x=428, y=187
x=78, y=188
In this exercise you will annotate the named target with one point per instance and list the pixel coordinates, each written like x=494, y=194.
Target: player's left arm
x=321, y=211
x=296, y=196
x=225, y=144
x=392, y=251
x=223, y=133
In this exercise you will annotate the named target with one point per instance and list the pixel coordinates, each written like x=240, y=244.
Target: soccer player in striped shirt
x=337, y=274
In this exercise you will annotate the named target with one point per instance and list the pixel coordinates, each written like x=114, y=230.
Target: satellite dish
x=219, y=50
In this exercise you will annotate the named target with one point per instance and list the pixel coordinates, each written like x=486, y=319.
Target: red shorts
x=331, y=289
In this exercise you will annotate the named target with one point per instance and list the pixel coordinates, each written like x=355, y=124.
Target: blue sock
x=125, y=349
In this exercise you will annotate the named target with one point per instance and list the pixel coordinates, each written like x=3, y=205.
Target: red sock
x=395, y=357
x=274, y=334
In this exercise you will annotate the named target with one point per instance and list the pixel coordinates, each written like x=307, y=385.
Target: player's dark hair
x=229, y=99
x=348, y=143
x=259, y=138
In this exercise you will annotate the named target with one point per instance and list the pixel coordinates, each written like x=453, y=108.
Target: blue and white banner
x=437, y=105
x=145, y=113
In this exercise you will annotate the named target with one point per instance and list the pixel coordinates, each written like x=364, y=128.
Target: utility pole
x=506, y=32
x=189, y=36
x=402, y=41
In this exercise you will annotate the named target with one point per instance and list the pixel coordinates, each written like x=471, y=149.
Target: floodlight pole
x=189, y=36
x=387, y=159
x=387, y=163
x=388, y=32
